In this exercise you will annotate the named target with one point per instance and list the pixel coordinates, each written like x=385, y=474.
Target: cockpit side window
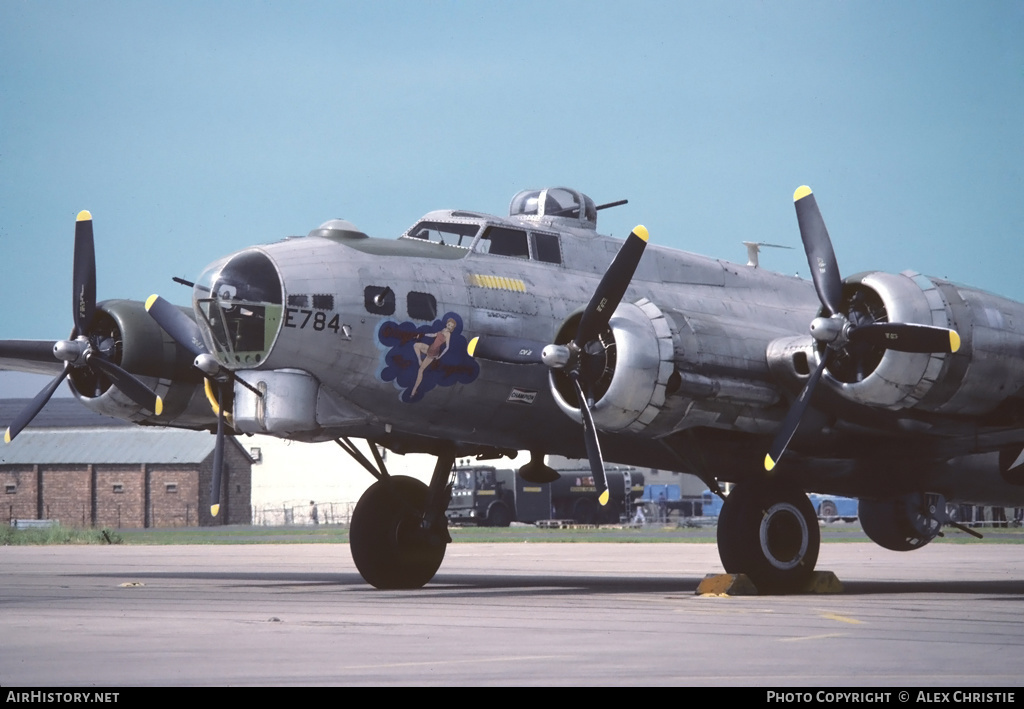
x=546, y=248
x=501, y=241
x=446, y=234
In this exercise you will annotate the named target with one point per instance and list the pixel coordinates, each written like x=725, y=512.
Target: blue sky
x=193, y=129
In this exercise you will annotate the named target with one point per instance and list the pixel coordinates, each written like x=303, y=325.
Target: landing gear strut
x=770, y=533
x=399, y=532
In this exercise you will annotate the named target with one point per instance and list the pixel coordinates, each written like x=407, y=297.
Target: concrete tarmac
x=946, y=615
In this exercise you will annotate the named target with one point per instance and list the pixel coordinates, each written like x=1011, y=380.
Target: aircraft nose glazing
x=238, y=305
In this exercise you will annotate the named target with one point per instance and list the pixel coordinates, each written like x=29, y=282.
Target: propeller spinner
x=90, y=350
x=838, y=330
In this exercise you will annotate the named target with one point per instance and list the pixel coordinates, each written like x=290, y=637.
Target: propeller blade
x=84, y=293
x=907, y=337
x=818, y=247
x=511, y=350
x=175, y=323
x=593, y=445
x=127, y=383
x=218, y=464
x=612, y=287
x=35, y=406
x=186, y=333
x=796, y=412
x=35, y=356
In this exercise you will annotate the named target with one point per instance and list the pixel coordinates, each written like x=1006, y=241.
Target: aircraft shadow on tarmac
x=461, y=585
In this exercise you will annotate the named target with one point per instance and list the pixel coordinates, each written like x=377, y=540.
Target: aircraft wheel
x=770, y=533
x=388, y=546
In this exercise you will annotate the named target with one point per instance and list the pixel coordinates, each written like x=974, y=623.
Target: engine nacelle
x=881, y=377
x=144, y=349
x=973, y=381
x=635, y=362
x=984, y=372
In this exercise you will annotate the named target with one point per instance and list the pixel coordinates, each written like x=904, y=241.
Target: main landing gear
x=769, y=532
x=399, y=532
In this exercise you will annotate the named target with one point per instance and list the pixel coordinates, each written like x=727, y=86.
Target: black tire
x=499, y=515
x=387, y=545
x=827, y=511
x=584, y=510
x=610, y=513
x=770, y=533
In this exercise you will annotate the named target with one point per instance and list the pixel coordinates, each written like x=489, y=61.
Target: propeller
x=93, y=351
x=570, y=357
x=219, y=378
x=843, y=333
x=186, y=333
x=218, y=461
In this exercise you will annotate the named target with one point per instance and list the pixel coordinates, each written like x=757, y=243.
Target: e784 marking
x=317, y=319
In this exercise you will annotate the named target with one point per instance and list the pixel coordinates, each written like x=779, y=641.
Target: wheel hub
x=784, y=536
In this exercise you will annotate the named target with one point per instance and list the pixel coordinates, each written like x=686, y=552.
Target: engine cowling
x=974, y=380
x=145, y=350
x=881, y=377
x=630, y=364
x=984, y=372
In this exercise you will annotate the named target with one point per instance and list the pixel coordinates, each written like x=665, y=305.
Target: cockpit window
x=475, y=478
x=446, y=234
x=546, y=248
x=501, y=241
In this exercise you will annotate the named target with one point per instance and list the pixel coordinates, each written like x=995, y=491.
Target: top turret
x=555, y=205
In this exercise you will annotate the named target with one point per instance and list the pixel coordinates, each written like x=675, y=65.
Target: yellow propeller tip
x=954, y=341
x=768, y=462
x=603, y=499
x=159, y=409
x=801, y=192
x=641, y=231
x=471, y=347
x=150, y=300
x=211, y=396
x=7, y=436
x=214, y=510
x=84, y=216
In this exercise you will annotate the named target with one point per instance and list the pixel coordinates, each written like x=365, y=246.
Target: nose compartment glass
x=238, y=302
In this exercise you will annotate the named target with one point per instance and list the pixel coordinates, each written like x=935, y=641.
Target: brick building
x=87, y=470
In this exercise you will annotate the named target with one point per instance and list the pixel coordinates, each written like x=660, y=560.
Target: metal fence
x=302, y=513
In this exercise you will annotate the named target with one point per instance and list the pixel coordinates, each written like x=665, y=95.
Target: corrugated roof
x=59, y=412
x=117, y=445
